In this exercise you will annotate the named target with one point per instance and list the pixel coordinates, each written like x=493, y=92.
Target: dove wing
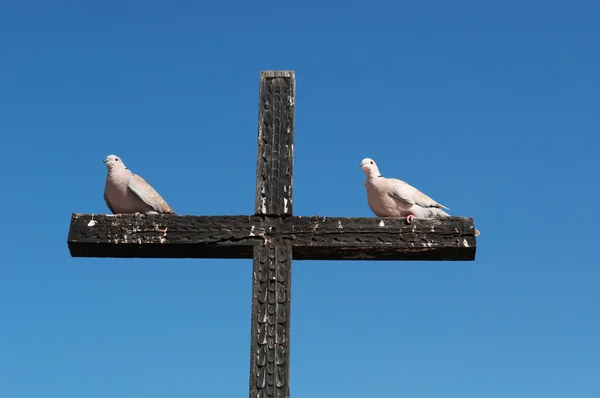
x=400, y=190
x=406, y=193
x=148, y=195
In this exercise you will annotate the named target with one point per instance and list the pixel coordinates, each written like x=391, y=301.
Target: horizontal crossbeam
x=312, y=238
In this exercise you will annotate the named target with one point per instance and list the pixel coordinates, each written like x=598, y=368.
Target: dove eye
x=117, y=159
x=371, y=162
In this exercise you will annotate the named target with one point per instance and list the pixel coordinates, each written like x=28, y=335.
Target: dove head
x=114, y=162
x=370, y=168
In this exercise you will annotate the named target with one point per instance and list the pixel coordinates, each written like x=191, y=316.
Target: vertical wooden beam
x=275, y=159
x=271, y=289
x=272, y=262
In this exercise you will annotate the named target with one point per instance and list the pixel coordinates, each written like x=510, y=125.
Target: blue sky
x=491, y=110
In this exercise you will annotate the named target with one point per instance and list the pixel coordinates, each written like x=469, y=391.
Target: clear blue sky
x=491, y=110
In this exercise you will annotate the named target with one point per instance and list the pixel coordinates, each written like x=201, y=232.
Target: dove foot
x=409, y=218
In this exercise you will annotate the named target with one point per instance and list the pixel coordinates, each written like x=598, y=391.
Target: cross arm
x=312, y=238
x=347, y=238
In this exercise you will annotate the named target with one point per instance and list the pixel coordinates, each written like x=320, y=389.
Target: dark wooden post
x=272, y=262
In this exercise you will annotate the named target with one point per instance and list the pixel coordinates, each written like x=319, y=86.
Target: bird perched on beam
x=390, y=197
x=126, y=192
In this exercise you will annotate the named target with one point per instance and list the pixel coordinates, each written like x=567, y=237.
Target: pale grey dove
x=389, y=197
x=126, y=192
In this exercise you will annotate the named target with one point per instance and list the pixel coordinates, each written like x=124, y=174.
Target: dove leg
x=409, y=218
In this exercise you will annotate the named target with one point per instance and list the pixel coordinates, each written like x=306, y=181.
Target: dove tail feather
x=428, y=212
x=439, y=213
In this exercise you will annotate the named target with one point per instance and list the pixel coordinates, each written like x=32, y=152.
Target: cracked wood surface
x=311, y=238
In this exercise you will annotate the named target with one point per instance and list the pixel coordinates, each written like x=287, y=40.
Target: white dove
x=389, y=197
x=126, y=192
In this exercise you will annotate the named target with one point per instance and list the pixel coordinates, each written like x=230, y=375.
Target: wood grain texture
x=271, y=299
x=311, y=238
x=272, y=258
x=275, y=157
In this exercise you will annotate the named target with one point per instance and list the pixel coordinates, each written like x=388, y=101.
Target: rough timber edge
x=271, y=74
x=468, y=222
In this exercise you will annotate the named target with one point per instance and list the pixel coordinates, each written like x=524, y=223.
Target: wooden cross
x=271, y=237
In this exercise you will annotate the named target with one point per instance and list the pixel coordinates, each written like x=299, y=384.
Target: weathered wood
x=326, y=238
x=272, y=260
x=271, y=301
x=275, y=158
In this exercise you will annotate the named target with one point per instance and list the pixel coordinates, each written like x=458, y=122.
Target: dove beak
x=104, y=161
